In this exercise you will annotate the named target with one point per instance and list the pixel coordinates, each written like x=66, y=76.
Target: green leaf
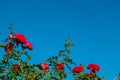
x=28, y=55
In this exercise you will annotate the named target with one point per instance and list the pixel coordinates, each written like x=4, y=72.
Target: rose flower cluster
x=45, y=66
x=19, y=39
x=78, y=69
x=93, y=67
x=55, y=66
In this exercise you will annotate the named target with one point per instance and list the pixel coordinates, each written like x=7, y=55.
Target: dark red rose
x=92, y=73
x=29, y=45
x=15, y=67
x=78, y=69
x=20, y=38
x=44, y=66
x=93, y=67
x=9, y=47
x=60, y=66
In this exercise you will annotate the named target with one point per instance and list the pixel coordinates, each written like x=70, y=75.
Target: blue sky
x=94, y=27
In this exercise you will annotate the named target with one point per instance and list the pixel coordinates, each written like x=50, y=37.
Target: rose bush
x=13, y=67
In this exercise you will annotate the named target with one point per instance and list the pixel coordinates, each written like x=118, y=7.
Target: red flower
x=15, y=67
x=29, y=45
x=20, y=38
x=44, y=67
x=47, y=69
x=92, y=73
x=9, y=47
x=60, y=66
x=93, y=67
x=78, y=69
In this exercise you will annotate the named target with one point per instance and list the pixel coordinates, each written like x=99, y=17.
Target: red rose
x=44, y=67
x=92, y=73
x=78, y=69
x=93, y=67
x=29, y=45
x=20, y=38
x=16, y=67
x=47, y=69
x=60, y=66
x=9, y=47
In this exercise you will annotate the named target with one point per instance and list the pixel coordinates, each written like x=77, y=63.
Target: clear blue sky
x=94, y=26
